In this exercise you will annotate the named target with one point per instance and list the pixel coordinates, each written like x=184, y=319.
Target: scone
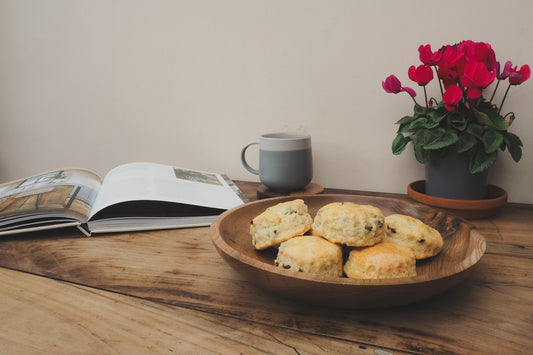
x=311, y=254
x=280, y=223
x=381, y=261
x=349, y=224
x=413, y=233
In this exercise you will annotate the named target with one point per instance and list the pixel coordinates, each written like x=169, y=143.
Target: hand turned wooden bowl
x=463, y=248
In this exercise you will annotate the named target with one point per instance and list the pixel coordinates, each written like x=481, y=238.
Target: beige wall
x=98, y=83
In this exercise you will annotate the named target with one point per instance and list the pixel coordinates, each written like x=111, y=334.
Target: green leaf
x=437, y=115
x=492, y=139
x=481, y=161
x=458, y=121
x=475, y=129
x=432, y=124
x=406, y=120
x=421, y=154
x=419, y=138
x=498, y=121
x=419, y=110
x=482, y=118
x=491, y=119
x=421, y=122
x=465, y=143
x=424, y=136
x=515, y=146
x=443, y=141
x=399, y=144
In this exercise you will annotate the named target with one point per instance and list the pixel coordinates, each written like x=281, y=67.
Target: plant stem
x=494, y=92
x=504, y=97
x=412, y=97
x=426, y=97
x=438, y=79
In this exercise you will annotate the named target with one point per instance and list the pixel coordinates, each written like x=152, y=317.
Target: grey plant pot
x=448, y=177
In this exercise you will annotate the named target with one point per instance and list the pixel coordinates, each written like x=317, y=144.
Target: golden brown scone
x=413, y=233
x=280, y=223
x=381, y=261
x=310, y=254
x=349, y=224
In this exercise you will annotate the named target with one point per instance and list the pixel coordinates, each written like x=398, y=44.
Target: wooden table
x=170, y=292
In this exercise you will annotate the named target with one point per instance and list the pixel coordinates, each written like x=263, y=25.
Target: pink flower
x=452, y=96
x=517, y=77
x=392, y=85
x=506, y=70
x=422, y=74
x=410, y=91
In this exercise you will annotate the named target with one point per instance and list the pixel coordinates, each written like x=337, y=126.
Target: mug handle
x=243, y=158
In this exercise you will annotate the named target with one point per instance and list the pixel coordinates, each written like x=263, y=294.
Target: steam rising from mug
x=285, y=161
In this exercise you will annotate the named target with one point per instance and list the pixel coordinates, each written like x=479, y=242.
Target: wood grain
x=70, y=319
x=177, y=276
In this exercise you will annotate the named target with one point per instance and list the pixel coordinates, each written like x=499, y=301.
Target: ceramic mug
x=285, y=161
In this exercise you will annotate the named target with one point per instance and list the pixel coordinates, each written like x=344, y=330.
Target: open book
x=131, y=197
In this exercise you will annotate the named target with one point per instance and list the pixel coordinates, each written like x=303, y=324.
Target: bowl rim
x=466, y=263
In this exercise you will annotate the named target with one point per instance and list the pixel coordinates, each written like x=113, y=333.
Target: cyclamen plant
x=463, y=121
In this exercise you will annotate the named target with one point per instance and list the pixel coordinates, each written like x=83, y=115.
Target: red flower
x=448, y=76
x=452, y=96
x=476, y=78
x=451, y=66
x=479, y=52
x=427, y=56
x=517, y=77
x=453, y=58
x=422, y=74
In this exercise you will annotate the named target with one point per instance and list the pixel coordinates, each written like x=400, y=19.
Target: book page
x=157, y=182
x=61, y=195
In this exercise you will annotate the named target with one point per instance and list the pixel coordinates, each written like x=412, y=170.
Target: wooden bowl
x=470, y=209
x=463, y=248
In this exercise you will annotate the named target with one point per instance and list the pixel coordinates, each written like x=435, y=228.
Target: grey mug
x=285, y=160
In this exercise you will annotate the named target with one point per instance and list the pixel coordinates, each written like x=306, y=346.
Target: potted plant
x=462, y=128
